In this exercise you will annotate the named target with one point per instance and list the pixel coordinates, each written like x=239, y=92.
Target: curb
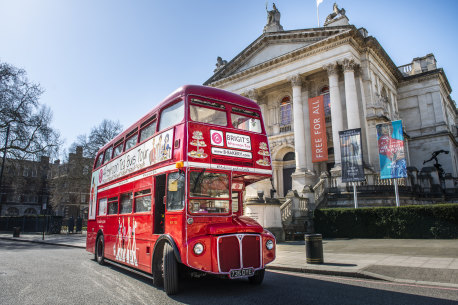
x=406, y=281
x=42, y=242
x=362, y=275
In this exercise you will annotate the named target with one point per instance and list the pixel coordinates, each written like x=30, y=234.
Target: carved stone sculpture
x=336, y=11
x=220, y=63
x=273, y=20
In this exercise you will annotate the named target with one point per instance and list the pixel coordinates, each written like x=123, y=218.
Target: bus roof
x=214, y=93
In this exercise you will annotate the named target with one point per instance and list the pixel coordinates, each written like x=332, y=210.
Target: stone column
x=351, y=98
x=336, y=110
x=308, y=141
x=276, y=168
x=299, y=137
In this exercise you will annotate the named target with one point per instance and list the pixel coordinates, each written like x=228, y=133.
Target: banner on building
x=352, y=155
x=319, y=141
x=390, y=141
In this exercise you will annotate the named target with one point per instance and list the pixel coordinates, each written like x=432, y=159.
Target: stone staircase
x=296, y=215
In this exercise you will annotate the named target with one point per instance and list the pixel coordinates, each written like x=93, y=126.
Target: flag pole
x=396, y=192
x=317, y=14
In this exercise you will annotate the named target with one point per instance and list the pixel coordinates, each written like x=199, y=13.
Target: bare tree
x=99, y=136
x=30, y=132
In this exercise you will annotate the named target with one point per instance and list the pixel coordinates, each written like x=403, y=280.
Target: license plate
x=241, y=273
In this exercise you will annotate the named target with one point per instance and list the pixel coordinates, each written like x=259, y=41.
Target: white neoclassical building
x=362, y=87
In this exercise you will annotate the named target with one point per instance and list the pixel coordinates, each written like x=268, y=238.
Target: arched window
x=327, y=101
x=285, y=114
x=12, y=212
x=30, y=211
x=289, y=156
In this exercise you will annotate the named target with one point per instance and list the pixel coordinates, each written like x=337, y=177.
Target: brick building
x=40, y=187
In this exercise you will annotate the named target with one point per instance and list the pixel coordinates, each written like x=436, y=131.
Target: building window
x=30, y=211
x=326, y=100
x=285, y=114
x=12, y=212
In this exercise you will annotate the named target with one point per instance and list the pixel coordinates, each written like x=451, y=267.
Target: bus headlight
x=269, y=244
x=198, y=248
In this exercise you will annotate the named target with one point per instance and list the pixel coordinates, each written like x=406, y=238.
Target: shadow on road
x=279, y=288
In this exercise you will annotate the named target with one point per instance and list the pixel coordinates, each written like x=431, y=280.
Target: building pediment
x=270, y=46
x=270, y=52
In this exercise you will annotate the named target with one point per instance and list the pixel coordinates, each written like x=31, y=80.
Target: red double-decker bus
x=167, y=193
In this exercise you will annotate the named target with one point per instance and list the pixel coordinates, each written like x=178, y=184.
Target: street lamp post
x=3, y=165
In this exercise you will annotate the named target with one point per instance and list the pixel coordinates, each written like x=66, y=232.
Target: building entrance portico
x=359, y=87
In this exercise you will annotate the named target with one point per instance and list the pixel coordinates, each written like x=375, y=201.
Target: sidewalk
x=75, y=240
x=420, y=261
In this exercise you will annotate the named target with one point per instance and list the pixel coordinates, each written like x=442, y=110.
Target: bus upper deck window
x=108, y=154
x=148, y=131
x=246, y=120
x=214, y=115
x=117, y=150
x=171, y=115
x=131, y=141
x=99, y=160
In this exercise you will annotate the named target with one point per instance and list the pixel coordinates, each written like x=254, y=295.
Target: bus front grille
x=239, y=251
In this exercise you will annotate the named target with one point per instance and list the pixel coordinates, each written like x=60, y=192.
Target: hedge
x=425, y=221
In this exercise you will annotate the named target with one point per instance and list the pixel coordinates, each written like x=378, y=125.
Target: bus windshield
x=209, y=192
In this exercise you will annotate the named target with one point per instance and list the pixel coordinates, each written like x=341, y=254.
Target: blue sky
x=117, y=59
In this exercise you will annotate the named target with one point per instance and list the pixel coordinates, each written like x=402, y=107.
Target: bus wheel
x=99, y=250
x=257, y=278
x=170, y=270
x=158, y=271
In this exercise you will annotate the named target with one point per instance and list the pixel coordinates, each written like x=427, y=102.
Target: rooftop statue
x=336, y=11
x=273, y=16
x=220, y=63
x=273, y=20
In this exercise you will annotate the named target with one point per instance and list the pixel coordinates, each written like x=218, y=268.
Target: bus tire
x=99, y=248
x=170, y=270
x=158, y=279
x=257, y=278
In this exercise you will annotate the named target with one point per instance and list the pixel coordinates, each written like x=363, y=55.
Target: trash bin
x=314, y=248
x=16, y=231
x=71, y=224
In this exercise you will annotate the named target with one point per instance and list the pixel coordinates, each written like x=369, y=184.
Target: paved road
x=45, y=274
